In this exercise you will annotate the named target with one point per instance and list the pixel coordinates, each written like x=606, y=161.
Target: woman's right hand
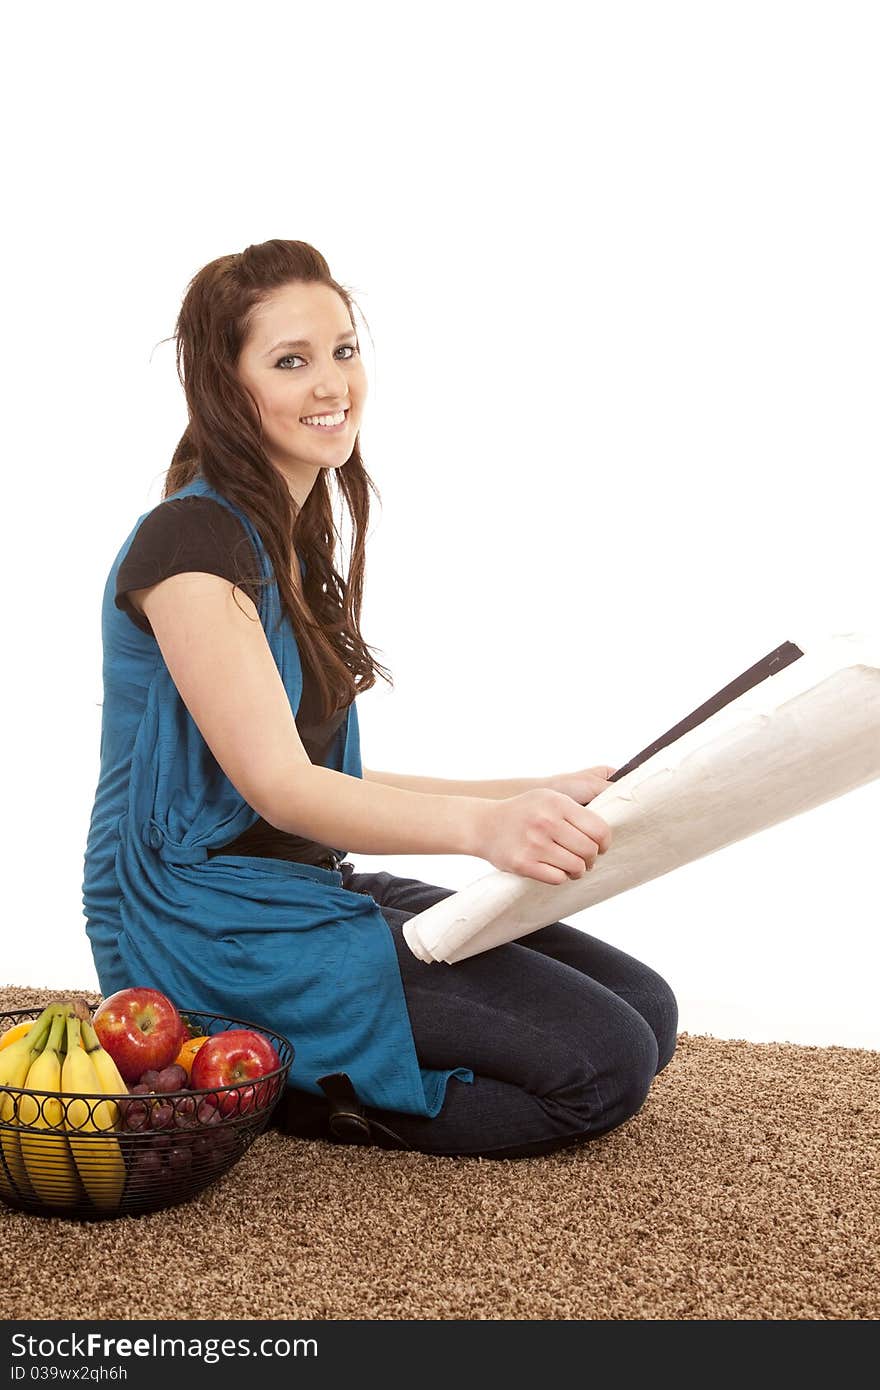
x=541, y=834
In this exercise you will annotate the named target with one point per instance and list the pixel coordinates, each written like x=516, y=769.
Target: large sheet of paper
x=803, y=736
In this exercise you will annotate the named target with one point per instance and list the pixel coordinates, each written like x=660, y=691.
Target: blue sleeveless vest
x=267, y=940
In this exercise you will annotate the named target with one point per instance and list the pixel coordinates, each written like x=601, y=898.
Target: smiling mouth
x=310, y=422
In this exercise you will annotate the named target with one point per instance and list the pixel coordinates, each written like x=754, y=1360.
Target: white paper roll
x=801, y=737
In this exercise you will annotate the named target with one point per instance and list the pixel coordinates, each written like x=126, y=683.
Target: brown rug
x=746, y=1188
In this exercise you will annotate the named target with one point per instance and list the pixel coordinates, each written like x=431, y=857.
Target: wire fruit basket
x=97, y=1156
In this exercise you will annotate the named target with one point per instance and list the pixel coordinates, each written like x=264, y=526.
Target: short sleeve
x=182, y=535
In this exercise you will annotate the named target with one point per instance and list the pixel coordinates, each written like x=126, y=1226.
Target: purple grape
x=147, y=1164
x=184, y=1138
x=149, y=1079
x=225, y=1139
x=179, y=1158
x=173, y=1078
x=137, y=1116
x=163, y=1115
x=185, y=1112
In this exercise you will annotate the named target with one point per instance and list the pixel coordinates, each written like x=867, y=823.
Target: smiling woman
x=283, y=347
x=307, y=386
x=231, y=775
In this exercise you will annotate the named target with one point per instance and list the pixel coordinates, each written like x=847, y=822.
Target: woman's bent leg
x=628, y=978
x=624, y=975
x=557, y=1058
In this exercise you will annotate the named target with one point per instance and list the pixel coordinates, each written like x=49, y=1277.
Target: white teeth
x=324, y=420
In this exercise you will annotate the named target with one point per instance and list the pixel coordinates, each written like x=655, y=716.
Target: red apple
x=140, y=1028
x=238, y=1054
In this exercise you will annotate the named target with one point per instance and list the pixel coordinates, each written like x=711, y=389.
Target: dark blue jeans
x=563, y=1032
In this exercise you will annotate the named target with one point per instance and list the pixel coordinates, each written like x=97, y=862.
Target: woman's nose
x=332, y=382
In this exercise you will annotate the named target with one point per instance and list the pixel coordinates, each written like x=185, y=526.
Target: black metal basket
x=147, y=1152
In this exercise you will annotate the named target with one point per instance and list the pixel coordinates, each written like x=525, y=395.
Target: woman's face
x=302, y=360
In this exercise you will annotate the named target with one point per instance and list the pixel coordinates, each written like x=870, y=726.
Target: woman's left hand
x=584, y=785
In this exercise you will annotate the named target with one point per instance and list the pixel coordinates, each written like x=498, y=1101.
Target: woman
x=231, y=777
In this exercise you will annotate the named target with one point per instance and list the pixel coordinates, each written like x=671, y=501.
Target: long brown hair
x=223, y=442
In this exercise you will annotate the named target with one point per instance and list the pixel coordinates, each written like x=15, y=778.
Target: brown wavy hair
x=223, y=441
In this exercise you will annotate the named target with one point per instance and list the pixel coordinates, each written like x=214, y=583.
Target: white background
x=619, y=265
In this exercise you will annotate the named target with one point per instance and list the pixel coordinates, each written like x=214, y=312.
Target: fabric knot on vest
x=172, y=852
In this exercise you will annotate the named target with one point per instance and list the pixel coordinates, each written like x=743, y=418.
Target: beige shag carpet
x=746, y=1188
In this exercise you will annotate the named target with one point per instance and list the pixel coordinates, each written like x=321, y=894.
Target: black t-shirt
x=199, y=534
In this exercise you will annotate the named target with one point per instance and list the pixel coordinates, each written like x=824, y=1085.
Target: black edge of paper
x=770, y=665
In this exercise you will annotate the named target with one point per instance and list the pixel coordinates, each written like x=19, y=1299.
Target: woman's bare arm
x=441, y=786
x=217, y=655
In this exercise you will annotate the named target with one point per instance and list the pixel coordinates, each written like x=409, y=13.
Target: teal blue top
x=270, y=941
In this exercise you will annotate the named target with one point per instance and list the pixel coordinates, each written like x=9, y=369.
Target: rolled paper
x=805, y=735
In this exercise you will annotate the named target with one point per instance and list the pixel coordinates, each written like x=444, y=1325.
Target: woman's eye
x=290, y=356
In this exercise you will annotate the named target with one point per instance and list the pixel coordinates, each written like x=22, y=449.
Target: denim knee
x=659, y=1006
x=630, y=1067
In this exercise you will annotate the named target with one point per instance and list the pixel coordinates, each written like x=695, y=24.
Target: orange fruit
x=187, y=1053
x=17, y=1031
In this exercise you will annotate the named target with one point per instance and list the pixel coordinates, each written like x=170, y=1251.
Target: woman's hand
x=543, y=834
x=584, y=785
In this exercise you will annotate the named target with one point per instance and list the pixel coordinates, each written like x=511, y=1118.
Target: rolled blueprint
x=803, y=736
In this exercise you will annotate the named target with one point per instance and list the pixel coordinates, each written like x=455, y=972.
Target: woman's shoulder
x=181, y=534
x=192, y=510
x=191, y=523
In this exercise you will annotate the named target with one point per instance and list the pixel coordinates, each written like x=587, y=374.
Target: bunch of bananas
x=53, y=1142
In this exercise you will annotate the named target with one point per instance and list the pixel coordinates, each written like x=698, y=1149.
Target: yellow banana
x=109, y=1076
x=44, y=1147
x=15, y=1063
x=98, y=1157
